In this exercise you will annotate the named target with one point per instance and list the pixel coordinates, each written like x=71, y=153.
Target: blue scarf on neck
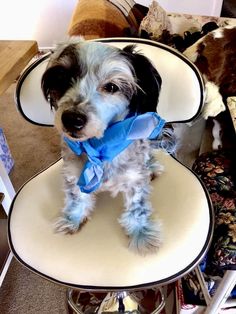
x=116, y=138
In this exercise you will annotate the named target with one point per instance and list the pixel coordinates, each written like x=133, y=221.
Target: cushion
x=97, y=19
x=216, y=169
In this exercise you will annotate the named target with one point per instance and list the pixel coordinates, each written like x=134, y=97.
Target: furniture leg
x=222, y=292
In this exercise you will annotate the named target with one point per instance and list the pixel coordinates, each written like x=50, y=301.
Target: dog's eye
x=111, y=88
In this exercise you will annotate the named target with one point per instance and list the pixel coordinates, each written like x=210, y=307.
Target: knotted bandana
x=116, y=138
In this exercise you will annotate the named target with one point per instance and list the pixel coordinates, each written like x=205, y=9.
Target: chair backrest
x=182, y=93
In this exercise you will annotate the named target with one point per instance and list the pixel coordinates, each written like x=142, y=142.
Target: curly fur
x=91, y=85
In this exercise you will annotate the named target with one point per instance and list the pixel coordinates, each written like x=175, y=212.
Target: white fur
x=129, y=172
x=219, y=32
x=213, y=101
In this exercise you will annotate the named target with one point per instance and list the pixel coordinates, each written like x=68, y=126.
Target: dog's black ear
x=148, y=79
x=55, y=82
x=60, y=74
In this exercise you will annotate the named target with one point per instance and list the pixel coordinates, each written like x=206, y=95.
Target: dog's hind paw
x=67, y=226
x=147, y=239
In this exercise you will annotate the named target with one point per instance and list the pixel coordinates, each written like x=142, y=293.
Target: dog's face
x=91, y=85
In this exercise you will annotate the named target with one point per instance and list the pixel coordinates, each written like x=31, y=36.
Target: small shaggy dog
x=99, y=91
x=215, y=57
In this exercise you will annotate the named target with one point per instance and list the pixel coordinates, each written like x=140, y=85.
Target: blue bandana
x=117, y=137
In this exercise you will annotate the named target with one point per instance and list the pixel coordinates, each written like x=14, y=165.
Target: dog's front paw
x=144, y=233
x=66, y=226
x=146, y=239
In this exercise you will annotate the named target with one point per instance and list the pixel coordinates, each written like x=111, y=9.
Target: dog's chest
x=129, y=167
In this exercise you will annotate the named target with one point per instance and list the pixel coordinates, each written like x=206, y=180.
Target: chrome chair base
x=113, y=302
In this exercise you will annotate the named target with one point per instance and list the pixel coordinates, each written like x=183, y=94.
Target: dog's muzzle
x=73, y=121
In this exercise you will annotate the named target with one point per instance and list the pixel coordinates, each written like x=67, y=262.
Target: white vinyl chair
x=97, y=258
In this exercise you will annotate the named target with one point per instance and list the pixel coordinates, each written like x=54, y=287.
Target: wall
x=47, y=20
x=43, y=20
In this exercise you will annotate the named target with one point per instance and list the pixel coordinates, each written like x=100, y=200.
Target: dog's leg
x=77, y=210
x=144, y=232
x=78, y=205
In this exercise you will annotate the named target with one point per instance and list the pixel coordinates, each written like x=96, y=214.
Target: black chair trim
x=19, y=86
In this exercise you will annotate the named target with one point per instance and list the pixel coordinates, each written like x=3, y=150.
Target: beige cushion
x=97, y=256
x=181, y=96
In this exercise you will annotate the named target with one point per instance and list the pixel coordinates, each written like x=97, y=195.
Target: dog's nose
x=73, y=121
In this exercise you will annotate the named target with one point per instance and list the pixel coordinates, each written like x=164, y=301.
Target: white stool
x=97, y=257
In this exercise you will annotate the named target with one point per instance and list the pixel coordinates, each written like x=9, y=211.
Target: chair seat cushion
x=97, y=257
